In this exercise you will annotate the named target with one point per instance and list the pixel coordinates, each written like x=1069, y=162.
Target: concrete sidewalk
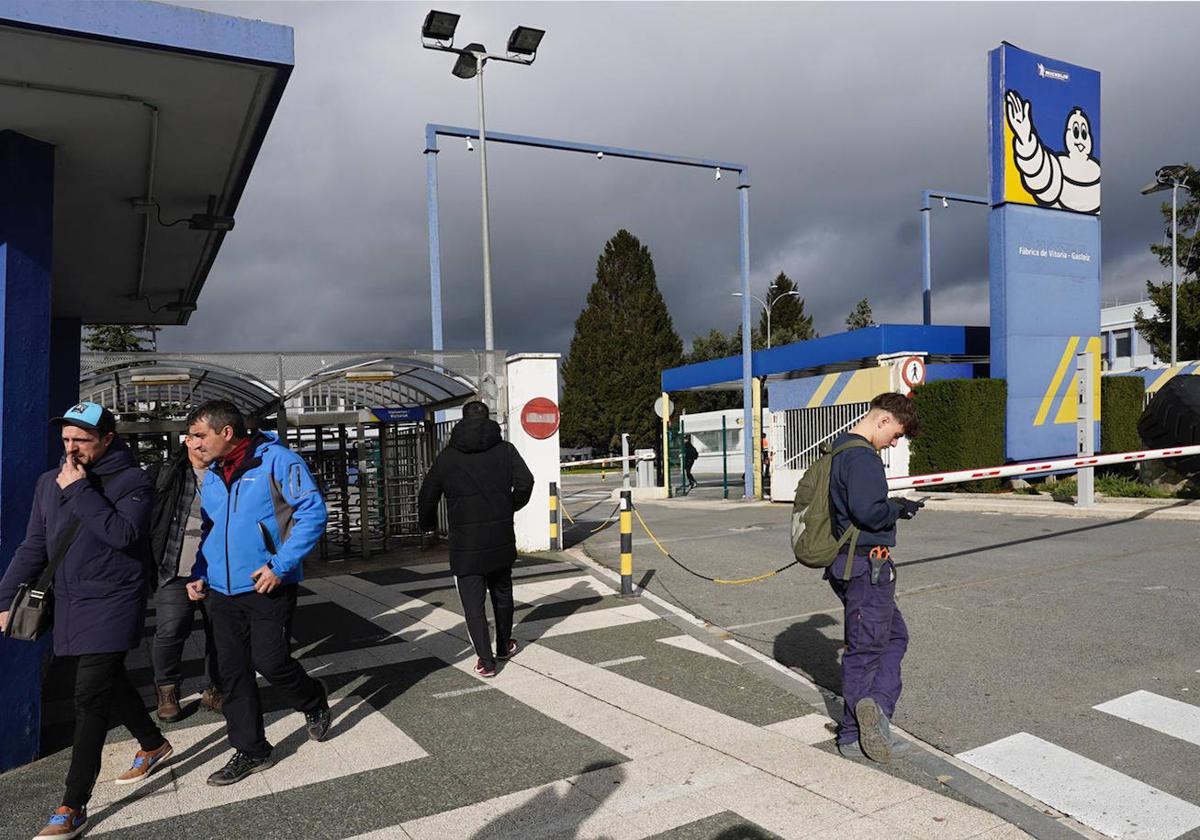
x=618, y=719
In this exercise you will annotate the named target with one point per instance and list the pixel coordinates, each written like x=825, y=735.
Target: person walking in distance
x=485, y=481
x=90, y=521
x=863, y=576
x=690, y=454
x=175, y=540
x=262, y=515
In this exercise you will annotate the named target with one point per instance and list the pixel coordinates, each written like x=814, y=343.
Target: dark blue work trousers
x=876, y=639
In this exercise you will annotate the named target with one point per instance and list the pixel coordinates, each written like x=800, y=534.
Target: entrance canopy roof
x=834, y=353
x=144, y=103
x=309, y=384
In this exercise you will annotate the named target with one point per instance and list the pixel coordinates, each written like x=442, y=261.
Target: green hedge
x=1121, y=399
x=962, y=426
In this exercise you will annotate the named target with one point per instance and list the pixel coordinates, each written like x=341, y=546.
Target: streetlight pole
x=1173, y=176
x=437, y=33
x=1174, y=271
x=489, y=335
x=768, y=307
x=926, y=255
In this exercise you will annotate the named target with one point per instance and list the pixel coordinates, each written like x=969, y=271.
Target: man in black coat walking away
x=485, y=481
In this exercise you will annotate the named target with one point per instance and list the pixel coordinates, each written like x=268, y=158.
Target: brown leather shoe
x=212, y=699
x=168, y=703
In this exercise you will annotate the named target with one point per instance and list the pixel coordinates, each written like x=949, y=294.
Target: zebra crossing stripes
x=1112, y=803
x=1162, y=714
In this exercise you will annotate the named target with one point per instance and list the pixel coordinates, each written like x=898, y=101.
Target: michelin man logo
x=1070, y=180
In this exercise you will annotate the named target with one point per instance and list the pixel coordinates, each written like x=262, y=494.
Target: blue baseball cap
x=90, y=416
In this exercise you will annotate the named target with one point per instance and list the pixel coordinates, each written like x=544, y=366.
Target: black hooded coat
x=485, y=481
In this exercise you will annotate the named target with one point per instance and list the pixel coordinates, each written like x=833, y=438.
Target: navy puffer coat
x=100, y=588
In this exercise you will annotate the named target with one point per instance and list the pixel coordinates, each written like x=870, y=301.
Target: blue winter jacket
x=272, y=489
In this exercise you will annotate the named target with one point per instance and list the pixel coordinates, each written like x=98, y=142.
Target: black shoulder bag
x=31, y=613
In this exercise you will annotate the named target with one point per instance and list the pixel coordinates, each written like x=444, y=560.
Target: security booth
x=817, y=389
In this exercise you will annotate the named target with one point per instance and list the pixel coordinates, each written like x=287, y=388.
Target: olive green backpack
x=813, y=542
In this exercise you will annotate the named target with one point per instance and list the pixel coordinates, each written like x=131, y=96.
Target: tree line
x=624, y=339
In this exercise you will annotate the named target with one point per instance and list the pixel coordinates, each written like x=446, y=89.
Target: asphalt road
x=1019, y=624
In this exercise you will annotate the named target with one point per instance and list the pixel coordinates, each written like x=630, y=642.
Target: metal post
x=626, y=543
x=724, y=461
x=747, y=362
x=666, y=443
x=1174, y=268
x=555, y=544
x=1085, y=478
x=926, y=264
x=489, y=343
x=769, y=325
x=364, y=496
x=756, y=434
x=281, y=424
x=625, y=460
x=435, y=247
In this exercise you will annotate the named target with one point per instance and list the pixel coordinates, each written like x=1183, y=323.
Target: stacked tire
x=1173, y=419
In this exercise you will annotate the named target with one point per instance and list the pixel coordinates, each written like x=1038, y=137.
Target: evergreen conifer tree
x=624, y=338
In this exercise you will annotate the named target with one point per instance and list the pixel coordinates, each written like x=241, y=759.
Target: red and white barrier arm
x=906, y=482
x=633, y=459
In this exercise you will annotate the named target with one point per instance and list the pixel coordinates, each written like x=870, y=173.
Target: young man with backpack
x=844, y=521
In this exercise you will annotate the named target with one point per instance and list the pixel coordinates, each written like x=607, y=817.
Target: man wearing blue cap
x=91, y=517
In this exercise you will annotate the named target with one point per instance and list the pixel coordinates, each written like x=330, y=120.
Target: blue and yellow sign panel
x=1044, y=249
x=1044, y=120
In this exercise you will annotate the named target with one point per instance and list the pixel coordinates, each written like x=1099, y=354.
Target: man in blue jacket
x=100, y=589
x=864, y=579
x=262, y=514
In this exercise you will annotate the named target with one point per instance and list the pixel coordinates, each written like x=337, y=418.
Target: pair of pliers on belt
x=878, y=556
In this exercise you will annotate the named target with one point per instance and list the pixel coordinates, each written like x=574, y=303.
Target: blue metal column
x=926, y=264
x=435, y=246
x=748, y=443
x=65, y=335
x=26, y=226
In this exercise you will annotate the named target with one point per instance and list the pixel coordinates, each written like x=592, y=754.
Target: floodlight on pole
x=437, y=33
x=439, y=26
x=1173, y=177
x=524, y=40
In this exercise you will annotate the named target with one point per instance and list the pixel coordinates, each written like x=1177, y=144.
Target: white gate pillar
x=530, y=376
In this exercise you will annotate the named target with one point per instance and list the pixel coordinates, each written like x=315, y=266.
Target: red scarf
x=233, y=459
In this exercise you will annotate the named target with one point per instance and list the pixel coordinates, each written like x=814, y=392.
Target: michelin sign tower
x=1044, y=249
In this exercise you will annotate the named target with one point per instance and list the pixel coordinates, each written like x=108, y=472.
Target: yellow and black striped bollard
x=626, y=542
x=555, y=540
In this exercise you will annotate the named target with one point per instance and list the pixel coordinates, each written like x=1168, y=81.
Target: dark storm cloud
x=844, y=113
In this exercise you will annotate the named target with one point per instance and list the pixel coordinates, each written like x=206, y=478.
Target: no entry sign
x=539, y=418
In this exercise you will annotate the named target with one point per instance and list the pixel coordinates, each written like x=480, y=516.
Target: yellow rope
x=563, y=508
x=738, y=582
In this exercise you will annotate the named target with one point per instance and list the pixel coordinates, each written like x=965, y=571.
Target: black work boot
x=238, y=768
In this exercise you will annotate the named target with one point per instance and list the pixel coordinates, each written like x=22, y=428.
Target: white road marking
x=361, y=739
x=686, y=642
x=625, y=660
x=1162, y=714
x=441, y=695
x=1100, y=797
